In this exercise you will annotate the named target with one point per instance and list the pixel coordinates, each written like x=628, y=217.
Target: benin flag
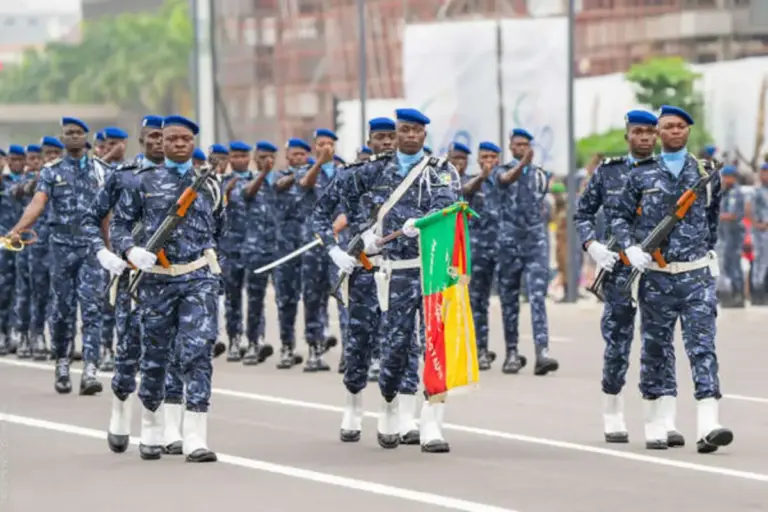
x=451, y=353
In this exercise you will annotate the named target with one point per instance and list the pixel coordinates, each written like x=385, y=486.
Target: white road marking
x=552, y=443
x=279, y=469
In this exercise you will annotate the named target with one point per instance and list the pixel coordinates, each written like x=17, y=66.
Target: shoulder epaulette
x=53, y=162
x=613, y=160
x=130, y=166
x=644, y=161
x=141, y=170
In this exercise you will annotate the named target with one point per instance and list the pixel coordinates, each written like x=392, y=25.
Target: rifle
x=172, y=220
x=596, y=288
x=652, y=243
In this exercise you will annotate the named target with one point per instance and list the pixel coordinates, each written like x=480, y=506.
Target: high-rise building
x=281, y=63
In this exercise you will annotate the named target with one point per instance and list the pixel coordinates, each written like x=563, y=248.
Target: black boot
x=328, y=344
x=25, y=349
x=342, y=363
x=39, y=347
x=107, y=362
x=218, y=349
x=675, y=439
x=234, y=355
x=257, y=353
x=544, y=363
x=288, y=359
x=315, y=361
x=514, y=362
x=4, y=348
x=63, y=383
x=89, y=383
x=14, y=339
x=714, y=440
x=483, y=360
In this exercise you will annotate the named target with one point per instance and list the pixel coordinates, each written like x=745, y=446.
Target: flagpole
x=572, y=291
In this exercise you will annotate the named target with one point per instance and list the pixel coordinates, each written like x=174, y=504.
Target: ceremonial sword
x=288, y=257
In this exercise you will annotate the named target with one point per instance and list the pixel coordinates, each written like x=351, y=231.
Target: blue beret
x=73, y=120
x=34, y=148
x=237, y=145
x=311, y=161
x=489, y=146
x=3, y=153
x=641, y=117
x=265, y=145
x=298, y=143
x=198, y=154
x=411, y=115
x=324, y=132
x=218, y=149
x=729, y=170
x=365, y=150
x=710, y=150
x=181, y=121
x=151, y=121
x=15, y=149
x=99, y=137
x=339, y=159
x=428, y=150
x=381, y=124
x=51, y=141
x=88, y=145
x=668, y=110
x=112, y=132
x=519, y=132
x=458, y=146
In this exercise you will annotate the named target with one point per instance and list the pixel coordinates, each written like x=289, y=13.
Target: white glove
x=409, y=228
x=111, y=262
x=638, y=258
x=141, y=258
x=341, y=259
x=602, y=257
x=370, y=240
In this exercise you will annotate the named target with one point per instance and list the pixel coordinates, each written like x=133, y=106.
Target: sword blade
x=288, y=257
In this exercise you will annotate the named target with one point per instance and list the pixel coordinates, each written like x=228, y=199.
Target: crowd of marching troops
x=146, y=247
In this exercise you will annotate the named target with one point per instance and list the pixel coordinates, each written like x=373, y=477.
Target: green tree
x=671, y=81
x=657, y=82
x=138, y=61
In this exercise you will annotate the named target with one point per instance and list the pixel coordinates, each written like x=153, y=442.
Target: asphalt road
x=519, y=443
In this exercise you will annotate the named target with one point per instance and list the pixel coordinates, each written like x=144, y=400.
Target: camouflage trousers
x=529, y=258
x=732, y=264
x=22, y=293
x=108, y=320
x=238, y=275
x=40, y=286
x=760, y=265
x=76, y=277
x=316, y=286
x=287, y=279
x=617, y=326
x=178, y=315
x=663, y=299
x=483, y=272
x=128, y=349
x=367, y=333
x=7, y=288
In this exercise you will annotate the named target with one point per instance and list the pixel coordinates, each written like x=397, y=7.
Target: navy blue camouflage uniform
x=22, y=294
x=731, y=239
x=370, y=187
x=523, y=247
x=127, y=322
x=10, y=210
x=483, y=232
x=76, y=275
x=177, y=311
x=617, y=324
x=288, y=275
x=664, y=298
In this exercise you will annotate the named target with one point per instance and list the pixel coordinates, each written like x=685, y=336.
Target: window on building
x=705, y=58
x=699, y=4
x=269, y=100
